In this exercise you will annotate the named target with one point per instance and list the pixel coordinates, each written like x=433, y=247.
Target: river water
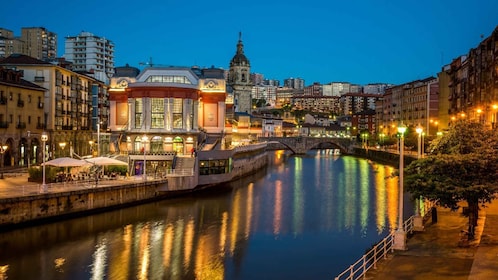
x=303, y=217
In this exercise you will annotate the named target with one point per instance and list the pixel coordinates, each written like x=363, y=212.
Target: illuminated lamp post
x=3, y=149
x=418, y=224
x=62, y=145
x=44, y=138
x=90, y=143
x=145, y=139
x=400, y=234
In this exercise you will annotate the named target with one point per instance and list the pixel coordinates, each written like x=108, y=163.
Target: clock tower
x=239, y=79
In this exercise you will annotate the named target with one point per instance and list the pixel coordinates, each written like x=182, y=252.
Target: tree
x=462, y=166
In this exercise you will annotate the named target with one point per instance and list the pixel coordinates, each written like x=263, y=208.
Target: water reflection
x=319, y=210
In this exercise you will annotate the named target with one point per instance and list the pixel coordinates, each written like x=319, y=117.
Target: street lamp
x=62, y=145
x=144, y=141
x=419, y=130
x=98, y=139
x=3, y=149
x=91, y=147
x=44, y=138
x=400, y=234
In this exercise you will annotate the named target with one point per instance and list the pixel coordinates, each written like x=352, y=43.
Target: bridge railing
x=378, y=252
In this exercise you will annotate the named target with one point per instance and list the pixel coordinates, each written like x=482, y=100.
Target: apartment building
x=39, y=42
x=67, y=104
x=473, y=83
x=22, y=119
x=91, y=54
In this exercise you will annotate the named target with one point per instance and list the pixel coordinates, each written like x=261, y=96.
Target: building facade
x=39, y=42
x=21, y=119
x=67, y=104
x=163, y=112
x=92, y=54
x=239, y=80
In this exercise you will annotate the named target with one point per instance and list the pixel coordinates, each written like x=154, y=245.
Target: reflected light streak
x=250, y=190
x=3, y=271
x=167, y=245
x=380, y=194
x=144, y=253
x=392, y=201
x=99, y=260
x=176, y=250
x=297, y=221
x=223, y=232
x=155, y=247
x=208, y=265
x=120, y=264
x=235, y=221
x=277, y=210
x=350, y=171
x=188, y=243
x=364, y=195
x=58, y=263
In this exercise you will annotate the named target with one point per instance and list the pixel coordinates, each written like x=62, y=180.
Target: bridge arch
x=302, y=144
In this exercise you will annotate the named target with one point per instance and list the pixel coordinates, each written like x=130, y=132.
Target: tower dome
x=239, y=59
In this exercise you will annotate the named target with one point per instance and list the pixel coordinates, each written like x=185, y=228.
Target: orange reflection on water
x=249, y=195
x=380, y=194
x=223, y=233
x=277, y=209
x=188, y=243
x=144, y=253
x=392, y=191
x=235, y=221
x=167, y=245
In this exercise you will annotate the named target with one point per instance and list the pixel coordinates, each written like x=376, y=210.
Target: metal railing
x=378, y=252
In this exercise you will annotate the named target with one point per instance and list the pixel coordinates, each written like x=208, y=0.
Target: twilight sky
x=357, y=41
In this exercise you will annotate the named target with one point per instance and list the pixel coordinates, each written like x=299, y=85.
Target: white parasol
x=65, y=162
x=104, y=161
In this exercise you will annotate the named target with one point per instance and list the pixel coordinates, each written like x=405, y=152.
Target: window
x=29, y=119
x=178, y=113
x=157, y=113
x=138, y=112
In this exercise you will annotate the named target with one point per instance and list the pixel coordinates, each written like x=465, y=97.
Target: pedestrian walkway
x=440, y=252
x=17, y=185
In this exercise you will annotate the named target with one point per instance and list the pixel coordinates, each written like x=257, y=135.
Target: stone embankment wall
x=380, y=156
x=29, y=209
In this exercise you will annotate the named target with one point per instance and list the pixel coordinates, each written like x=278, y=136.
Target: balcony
x=67, y=127
x=20, y=103
x=21, y=125
x=3, y=100
x=41, y=126
x=4, y=125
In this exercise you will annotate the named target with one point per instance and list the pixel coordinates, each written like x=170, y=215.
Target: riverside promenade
x=439, y=252
x=17, y=185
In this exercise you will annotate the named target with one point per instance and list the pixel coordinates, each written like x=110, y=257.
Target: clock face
x=123, y=83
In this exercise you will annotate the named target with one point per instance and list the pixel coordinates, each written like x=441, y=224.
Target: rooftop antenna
x=149, y=63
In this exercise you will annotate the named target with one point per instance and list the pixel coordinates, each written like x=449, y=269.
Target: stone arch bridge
x=302, y=144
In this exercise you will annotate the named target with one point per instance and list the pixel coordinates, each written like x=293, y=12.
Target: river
x=303, y=217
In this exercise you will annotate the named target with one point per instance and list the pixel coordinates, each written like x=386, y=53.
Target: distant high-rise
x=39, y=43
x=92, y=54
x=295, y=83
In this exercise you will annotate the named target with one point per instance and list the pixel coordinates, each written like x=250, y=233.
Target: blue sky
x=357, y=41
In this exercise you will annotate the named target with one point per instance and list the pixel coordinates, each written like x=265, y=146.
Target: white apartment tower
x=92, y=54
